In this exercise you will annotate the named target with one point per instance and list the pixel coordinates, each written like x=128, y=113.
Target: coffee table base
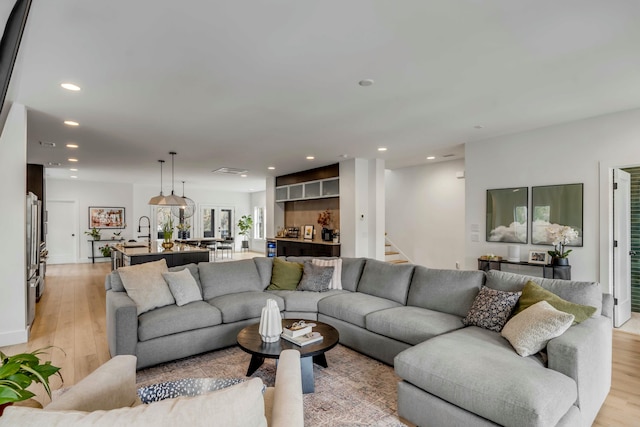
x=306, y=369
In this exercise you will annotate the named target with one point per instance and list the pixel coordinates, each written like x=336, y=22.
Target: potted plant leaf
x=167, y=230
x=245, y=224
x=19, y=371
x=94, y=233
x=105, y=250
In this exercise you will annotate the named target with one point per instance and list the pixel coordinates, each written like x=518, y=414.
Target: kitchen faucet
x=148, y=236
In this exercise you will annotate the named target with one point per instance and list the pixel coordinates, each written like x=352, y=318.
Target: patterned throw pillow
x=531, y=329
x=185, y=387
x=491, y=309
x=336, y=280
x=315, y=278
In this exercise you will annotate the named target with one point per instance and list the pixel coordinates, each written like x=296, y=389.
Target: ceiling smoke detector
x=47, y=144
x=230, y=171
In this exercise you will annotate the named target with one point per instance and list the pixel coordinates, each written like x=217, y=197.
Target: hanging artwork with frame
x=507, y=215
x=556, y=205
x=106, y=217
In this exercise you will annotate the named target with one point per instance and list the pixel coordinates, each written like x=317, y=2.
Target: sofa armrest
x=583, y=353
x=122, y=323
x=111, y=386
x=287, y=407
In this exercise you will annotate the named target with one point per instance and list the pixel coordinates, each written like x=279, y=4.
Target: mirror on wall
x=507, y=215
x=556, y=205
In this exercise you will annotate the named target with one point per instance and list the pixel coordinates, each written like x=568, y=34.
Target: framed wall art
x=106, y=217
x=507, y=215
x=554, y=206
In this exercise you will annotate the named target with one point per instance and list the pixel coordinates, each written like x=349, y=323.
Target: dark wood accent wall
x=331, y=171
x=35, y=180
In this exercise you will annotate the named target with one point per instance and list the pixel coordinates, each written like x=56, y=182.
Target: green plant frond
x=22, y=379
x=8, y=384
x=9, y=369
x=8, y=394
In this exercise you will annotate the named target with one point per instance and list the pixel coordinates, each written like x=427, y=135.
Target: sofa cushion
x=244, y=305
x=477, y=370
x=530, y=330
x=448, y=291
x=584, y=293
x=315, y=278
x=221, y=278
x=412, y=325
x=241, y=405
x=385, y=280
x=173, y=319
x=264, y=266
x=183, y=286
x=491, y=309
x=285, y=275
x=351, y=272
x=146, y=286
x=303, y=301
x=353, y=307
x=532, y=293
x=336, y=278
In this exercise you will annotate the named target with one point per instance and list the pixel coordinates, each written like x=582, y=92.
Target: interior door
x=621, y=247
x=62, y=227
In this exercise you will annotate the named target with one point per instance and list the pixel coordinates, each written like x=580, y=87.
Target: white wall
x=13, y=172
x=425, y=213
x=577, y=152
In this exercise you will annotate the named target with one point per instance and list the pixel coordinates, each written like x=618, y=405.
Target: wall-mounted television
x=13, y=19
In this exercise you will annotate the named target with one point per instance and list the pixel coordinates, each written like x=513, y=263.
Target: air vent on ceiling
x=231, y=171
x=48, y=144
x=449, y=155
x=54, y=164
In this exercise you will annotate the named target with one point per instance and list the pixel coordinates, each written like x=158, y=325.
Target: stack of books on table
x=301, y=336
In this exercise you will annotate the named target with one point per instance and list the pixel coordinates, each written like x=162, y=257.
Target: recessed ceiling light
x=71, y=123
x=70, y=86
x=310, y=157
x=366, y=82
x=73, y=160
x=243, y=176
x=382, y=149
x=431, y=157
x=73, y=176
x=271, y=168
x=73, y=170
x=72, y=145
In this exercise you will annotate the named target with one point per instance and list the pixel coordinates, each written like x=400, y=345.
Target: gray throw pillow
x=315, y=278
x=145, y=285
x=183, y=286
x=491, y=309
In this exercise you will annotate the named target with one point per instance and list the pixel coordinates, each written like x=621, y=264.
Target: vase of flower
x=560, y=236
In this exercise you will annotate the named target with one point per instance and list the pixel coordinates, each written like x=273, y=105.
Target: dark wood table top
x=250, y=341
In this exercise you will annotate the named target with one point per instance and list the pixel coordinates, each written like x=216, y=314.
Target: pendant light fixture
x=186, y=211
x=171, y=200
x=157, y=199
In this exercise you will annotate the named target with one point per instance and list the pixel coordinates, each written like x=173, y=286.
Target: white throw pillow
x=183, y=286
x=146, y=286
x=237, y=406
x=530, y=330
x=336, y=279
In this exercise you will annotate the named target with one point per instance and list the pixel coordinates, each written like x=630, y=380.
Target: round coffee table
x=249, y=340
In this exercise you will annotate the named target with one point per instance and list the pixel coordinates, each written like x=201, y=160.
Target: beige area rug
x=353, y=391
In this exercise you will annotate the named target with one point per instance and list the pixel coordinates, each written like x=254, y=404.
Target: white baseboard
x=14, y=337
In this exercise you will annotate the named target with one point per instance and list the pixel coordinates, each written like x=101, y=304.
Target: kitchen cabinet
x=318, y=189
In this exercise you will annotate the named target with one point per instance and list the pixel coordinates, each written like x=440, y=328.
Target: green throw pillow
x=533, y=293
x=285, y=275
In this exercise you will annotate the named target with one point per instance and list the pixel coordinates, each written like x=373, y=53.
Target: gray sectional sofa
x=406, y=316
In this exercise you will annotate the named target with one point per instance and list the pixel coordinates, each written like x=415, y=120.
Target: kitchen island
x=180, y=254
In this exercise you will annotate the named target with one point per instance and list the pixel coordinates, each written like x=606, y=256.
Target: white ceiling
x=251, y=84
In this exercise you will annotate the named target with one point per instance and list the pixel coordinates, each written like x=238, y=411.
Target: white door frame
x=622, y=248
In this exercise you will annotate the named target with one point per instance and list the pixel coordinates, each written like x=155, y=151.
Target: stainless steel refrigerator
x=33, y=254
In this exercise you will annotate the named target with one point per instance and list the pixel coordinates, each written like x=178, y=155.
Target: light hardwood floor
x=71, y=315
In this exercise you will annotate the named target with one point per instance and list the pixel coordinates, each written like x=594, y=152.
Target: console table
x=93, y=255
x=546, y=271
